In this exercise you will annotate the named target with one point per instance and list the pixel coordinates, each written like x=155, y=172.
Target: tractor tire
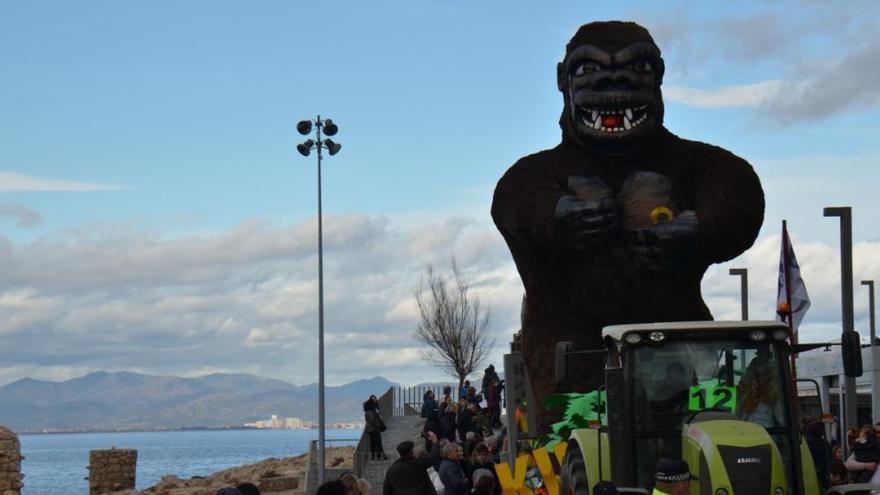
x=574, y=473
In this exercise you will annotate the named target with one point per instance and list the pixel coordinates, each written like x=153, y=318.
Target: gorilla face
x=613, y=97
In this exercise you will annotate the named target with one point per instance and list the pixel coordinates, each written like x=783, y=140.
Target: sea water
x=57, y=464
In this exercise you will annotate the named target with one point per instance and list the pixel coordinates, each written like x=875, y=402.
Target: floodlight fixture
x=304, y=127
x=332, y=146
x=305, y=148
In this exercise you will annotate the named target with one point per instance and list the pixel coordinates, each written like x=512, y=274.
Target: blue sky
x=152, y=202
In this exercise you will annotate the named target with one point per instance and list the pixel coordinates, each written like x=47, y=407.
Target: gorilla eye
x=586, y=68
x=642, y=66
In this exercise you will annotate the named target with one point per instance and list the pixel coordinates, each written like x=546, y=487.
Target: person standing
x=431, y=430
x=672, y=478
x=463, y=422
x=429, y=404
x=447, y=396
x=814, y=433
x=493, y=403
x=489, y=374
x=374, y=428
x=481, y=464
x=447, y=421
x=451, y=474
x=462, y=391
x=407, y=476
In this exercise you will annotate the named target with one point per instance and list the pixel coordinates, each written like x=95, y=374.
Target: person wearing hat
x=407, y=475
x=672, y=478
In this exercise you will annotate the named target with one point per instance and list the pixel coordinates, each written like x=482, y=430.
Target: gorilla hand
x=581, y=224
x=668, y=245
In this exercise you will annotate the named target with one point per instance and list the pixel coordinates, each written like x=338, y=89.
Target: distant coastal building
x=281, y=423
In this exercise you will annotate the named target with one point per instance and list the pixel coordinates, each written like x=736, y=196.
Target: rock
x=286, y=473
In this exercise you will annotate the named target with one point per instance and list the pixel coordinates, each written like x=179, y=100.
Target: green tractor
x=717, y=394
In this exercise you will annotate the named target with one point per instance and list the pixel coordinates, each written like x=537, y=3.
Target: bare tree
x=452, y=324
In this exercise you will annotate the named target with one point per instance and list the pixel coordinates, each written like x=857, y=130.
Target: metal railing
x=408, y=400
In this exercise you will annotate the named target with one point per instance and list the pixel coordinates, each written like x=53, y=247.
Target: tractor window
x=676, y=380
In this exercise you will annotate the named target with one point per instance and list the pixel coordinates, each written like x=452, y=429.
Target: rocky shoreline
x=269, y=474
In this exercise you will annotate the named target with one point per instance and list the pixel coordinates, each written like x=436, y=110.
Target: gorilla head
x=610, y=79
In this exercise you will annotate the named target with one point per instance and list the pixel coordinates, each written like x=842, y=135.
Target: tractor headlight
x=721, y=491
x=780, y=334
x=657, y=337
x=758, y=335
x=632, y=338
x=779, y=491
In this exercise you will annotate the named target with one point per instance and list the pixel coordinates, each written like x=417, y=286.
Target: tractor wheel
x=574, y=473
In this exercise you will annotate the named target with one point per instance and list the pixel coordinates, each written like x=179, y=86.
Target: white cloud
x=15, y=182
x=103, y=297
x=820, y=268
x=747, y=95
x=807, y=72
x=24, y=216
x=245, y=299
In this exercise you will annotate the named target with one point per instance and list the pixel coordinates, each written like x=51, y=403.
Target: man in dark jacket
x=407, y=476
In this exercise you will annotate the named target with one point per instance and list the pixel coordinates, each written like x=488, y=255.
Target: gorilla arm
x=721, y=219
x=729, y=206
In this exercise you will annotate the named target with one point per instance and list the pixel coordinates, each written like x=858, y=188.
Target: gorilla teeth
x=592, y=118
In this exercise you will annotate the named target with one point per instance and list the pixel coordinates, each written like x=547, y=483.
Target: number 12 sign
x=712, y=396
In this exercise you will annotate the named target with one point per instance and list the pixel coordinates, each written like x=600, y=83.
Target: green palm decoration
x=579, y=411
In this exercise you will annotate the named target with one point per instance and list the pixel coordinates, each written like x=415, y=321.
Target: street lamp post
x=744, y=289
x=870, y=284
x=304, y=127
x=846, y=283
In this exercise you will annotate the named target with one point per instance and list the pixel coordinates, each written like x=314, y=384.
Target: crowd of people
x=446, y=469
x=462, y=442
x=859, y=467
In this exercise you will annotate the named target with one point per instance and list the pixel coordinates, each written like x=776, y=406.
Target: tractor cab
x=715, y=394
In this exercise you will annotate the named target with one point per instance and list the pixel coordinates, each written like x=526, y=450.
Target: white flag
x=791, y=295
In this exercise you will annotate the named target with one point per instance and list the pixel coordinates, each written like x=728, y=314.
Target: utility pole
x=870, y=284
x=850, y=412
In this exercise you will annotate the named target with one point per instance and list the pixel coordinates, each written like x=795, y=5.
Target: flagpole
x=786, y=270
x=786, y=273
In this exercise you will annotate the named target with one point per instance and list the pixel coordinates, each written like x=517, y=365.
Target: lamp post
x=304, y=127
x=846, y=283
x=870, y=284
x=744, y=289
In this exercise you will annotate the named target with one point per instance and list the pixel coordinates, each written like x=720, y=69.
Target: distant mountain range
x=127, y=401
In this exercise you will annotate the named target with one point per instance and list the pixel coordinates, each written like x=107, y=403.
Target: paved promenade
x=400, y=428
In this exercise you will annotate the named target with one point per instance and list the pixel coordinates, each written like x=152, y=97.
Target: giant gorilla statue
x=617, y=223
